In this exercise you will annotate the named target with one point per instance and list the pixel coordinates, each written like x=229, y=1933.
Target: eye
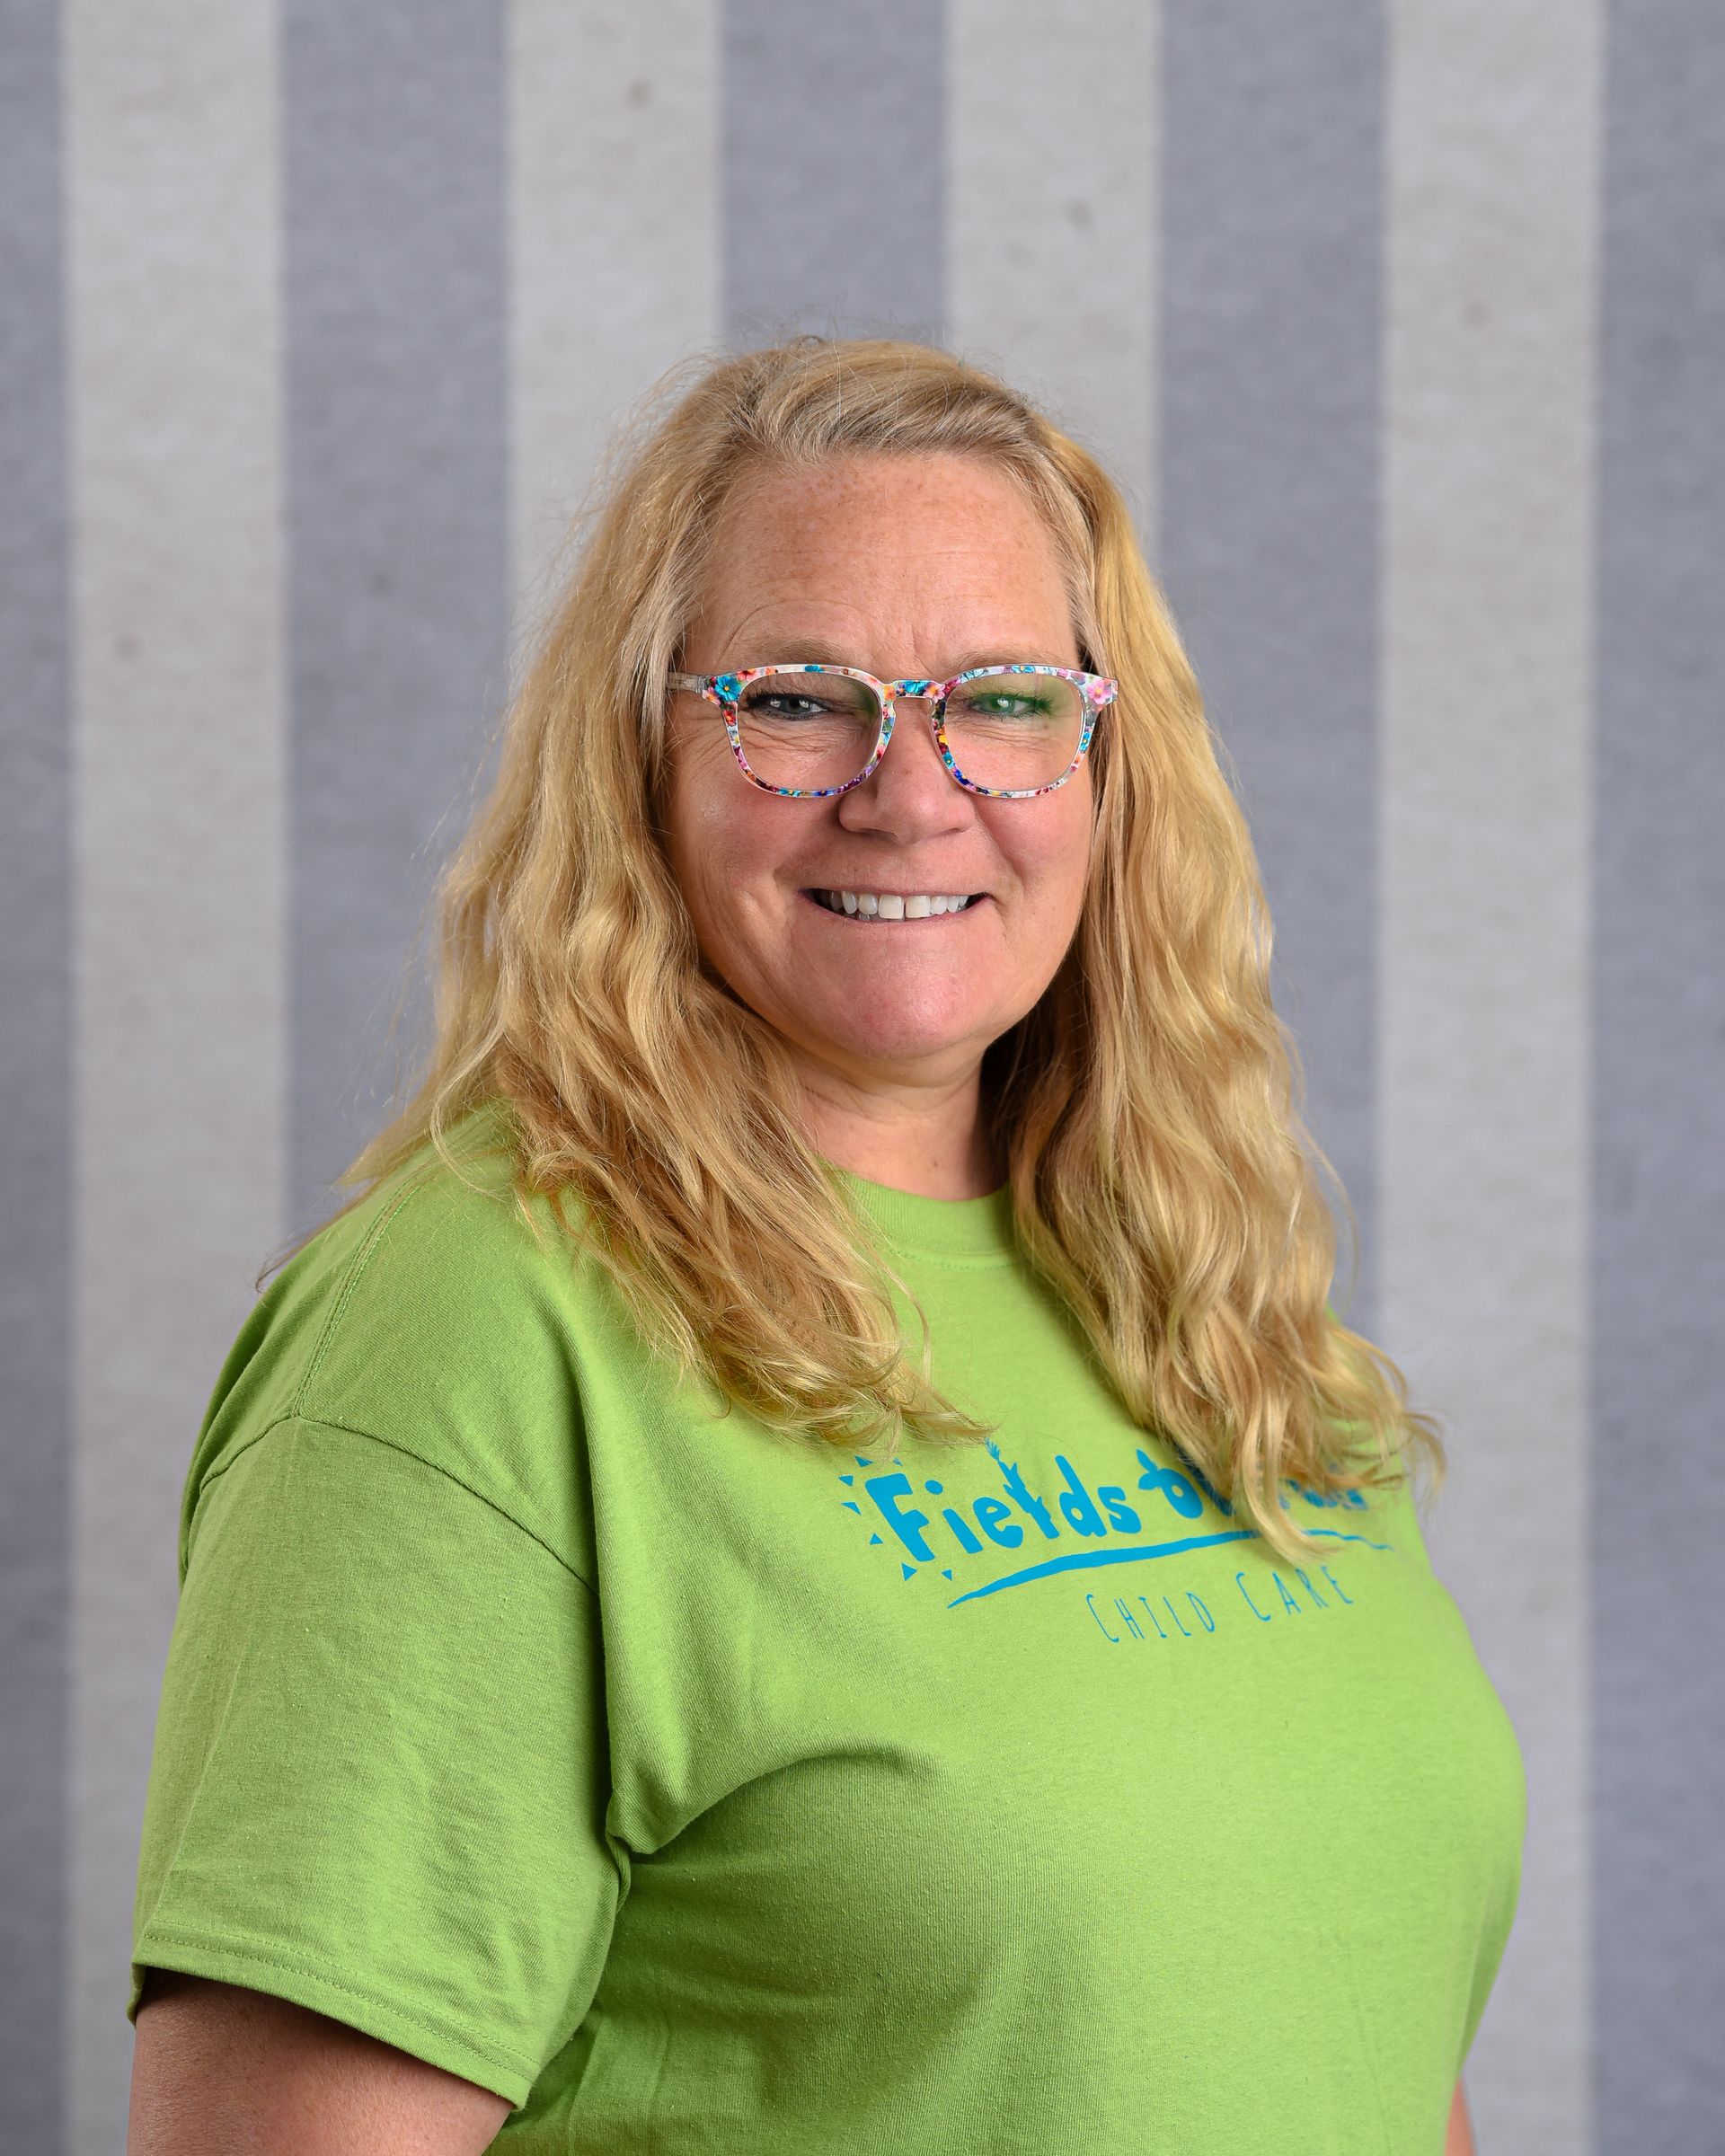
x=785, y=704
x=1008, y=704
x=1005, y=699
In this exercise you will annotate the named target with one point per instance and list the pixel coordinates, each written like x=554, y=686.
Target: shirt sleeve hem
x=438, y=2042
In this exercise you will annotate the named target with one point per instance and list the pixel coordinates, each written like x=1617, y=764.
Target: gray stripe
x=1271, y=205
x=174, y=401
x=1026, y=234
x=35, y=1080
x=1658, y=1270
x=397, y=485
x=1483, y=1149
x=615, y=222
x=832, y=167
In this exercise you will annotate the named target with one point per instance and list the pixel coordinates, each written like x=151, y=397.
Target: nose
x=909, y=794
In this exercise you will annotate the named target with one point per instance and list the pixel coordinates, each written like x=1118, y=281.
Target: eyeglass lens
x=815, y=731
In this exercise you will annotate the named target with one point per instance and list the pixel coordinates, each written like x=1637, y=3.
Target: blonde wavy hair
x=1163, y=1181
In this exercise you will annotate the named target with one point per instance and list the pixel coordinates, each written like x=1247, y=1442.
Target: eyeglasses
x=808, y=731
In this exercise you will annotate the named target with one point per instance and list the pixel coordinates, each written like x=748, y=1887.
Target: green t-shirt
x=695, y=1789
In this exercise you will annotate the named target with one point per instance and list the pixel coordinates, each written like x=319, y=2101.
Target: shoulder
x=1392, y=1513
x=441, y=1315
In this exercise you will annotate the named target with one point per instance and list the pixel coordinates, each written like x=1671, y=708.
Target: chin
x=897, y=1037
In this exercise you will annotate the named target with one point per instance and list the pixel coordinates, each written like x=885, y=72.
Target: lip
x=885, y=891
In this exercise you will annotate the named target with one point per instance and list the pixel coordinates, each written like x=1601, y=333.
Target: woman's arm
x=217, y=2068
x=1459, y=2140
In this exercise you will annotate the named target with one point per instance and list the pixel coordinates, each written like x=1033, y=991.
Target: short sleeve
x=380, y=1778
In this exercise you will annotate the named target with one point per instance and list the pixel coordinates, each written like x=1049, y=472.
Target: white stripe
x=613, y=240
x=175, y=424
x=1493, y=149
x=1052, y=137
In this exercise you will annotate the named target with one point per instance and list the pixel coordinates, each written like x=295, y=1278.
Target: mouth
x=896, y=905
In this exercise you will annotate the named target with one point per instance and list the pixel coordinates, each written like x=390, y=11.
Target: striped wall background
x=1404, y=322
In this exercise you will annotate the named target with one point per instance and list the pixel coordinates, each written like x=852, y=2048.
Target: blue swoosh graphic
x=1082, y=1559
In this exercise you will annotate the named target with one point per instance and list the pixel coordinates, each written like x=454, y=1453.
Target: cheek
x=724, y=845
x=1053, y=863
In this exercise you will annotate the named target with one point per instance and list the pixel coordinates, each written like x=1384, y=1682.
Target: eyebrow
x=824, y=654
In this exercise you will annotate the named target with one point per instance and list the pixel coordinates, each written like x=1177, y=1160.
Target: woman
x=807, y=1567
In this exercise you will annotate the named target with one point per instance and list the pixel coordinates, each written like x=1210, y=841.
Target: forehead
x=896, y=553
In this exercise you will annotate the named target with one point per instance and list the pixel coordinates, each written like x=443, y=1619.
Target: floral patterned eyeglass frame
x=726, y=691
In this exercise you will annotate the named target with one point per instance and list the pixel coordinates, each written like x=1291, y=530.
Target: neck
x=930, y=1141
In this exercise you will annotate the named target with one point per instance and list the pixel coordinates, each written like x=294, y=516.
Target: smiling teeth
x=890, y=906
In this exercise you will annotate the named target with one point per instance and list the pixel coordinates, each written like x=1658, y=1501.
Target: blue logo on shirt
x=982, y=1524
